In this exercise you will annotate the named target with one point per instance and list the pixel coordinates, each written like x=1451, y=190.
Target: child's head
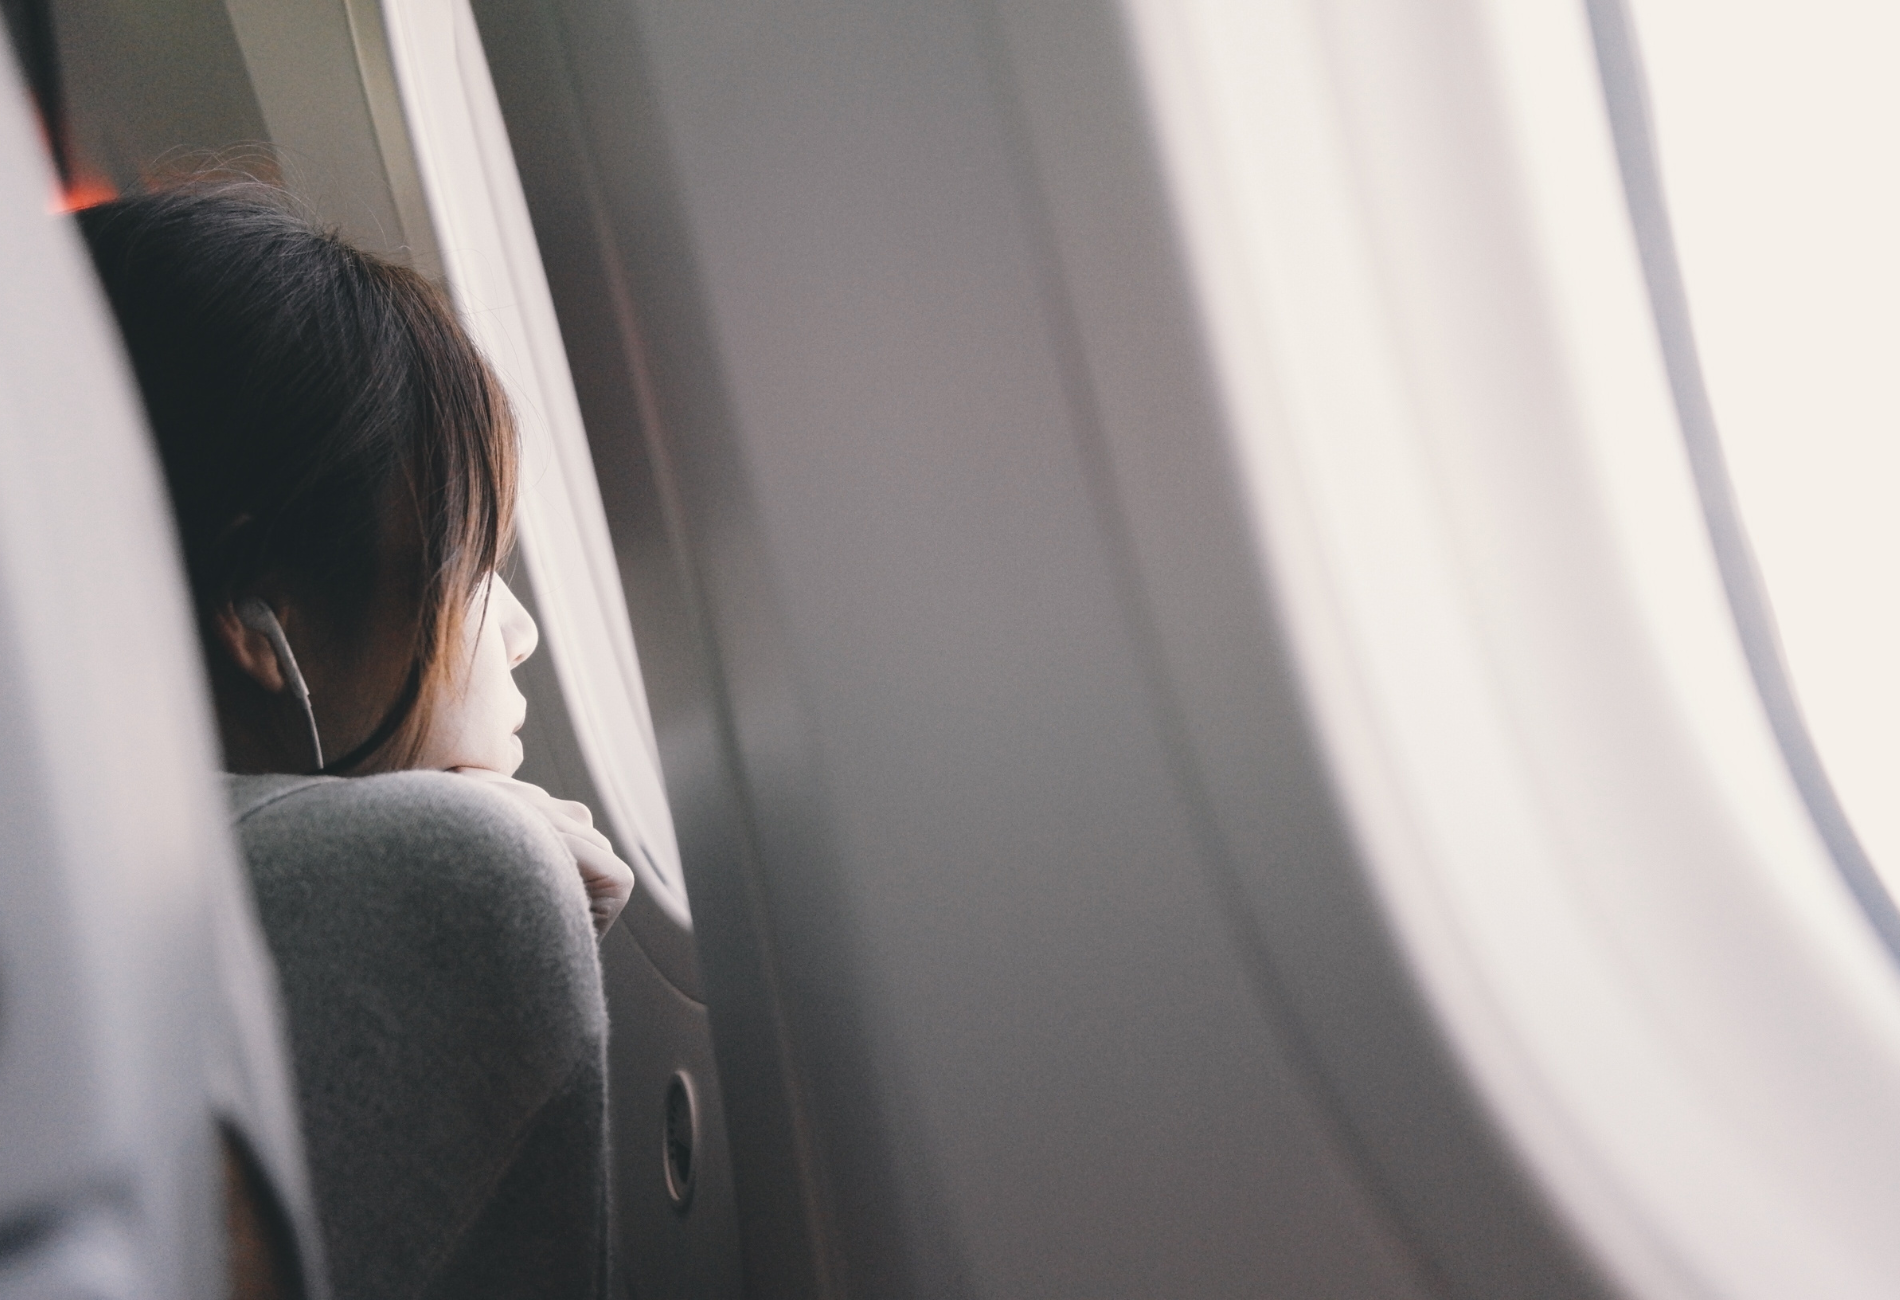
x=336, y=445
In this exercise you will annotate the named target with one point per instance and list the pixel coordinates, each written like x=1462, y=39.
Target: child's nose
x=519, y=635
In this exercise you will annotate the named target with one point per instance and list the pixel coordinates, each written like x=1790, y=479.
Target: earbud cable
x=257, y=615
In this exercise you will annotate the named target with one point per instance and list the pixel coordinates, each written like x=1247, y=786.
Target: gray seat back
x=136, y=1001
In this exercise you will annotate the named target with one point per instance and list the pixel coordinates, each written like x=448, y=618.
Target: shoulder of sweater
x=415, y=816
x=427, y=795
x=430, y=852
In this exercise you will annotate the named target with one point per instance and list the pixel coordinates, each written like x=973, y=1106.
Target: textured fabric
x=442, y=989
x=248, y=1073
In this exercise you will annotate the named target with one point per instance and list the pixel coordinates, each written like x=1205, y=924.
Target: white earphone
x=257, y=615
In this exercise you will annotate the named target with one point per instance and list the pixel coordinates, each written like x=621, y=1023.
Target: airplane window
x=1774, y=129
x=493, y=268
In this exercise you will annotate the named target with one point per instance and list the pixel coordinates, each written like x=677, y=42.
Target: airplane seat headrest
x=135, y=996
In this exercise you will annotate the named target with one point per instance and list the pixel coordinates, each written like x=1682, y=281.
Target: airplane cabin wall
x=883, y=317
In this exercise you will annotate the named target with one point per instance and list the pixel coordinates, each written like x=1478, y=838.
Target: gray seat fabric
x=136, y=1002
x=442, y=988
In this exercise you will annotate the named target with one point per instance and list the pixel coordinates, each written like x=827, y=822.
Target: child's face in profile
x=477, y=714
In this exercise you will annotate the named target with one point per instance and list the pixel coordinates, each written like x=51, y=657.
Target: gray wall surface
x=1037, y=957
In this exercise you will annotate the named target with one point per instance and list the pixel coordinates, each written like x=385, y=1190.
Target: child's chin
x=503, y=756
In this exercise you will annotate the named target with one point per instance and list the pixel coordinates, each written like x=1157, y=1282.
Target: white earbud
x=257, y=615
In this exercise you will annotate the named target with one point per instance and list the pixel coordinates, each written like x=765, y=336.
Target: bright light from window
x=1778, y=127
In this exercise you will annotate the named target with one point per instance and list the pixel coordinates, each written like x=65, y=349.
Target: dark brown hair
x=325, y=423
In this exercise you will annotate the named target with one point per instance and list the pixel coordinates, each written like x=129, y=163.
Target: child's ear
x=248, y=648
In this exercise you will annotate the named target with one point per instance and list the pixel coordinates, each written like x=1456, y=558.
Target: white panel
x=1784, y=191
x=1441, y=372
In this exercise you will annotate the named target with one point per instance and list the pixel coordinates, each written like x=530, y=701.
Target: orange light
x=83, y=192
